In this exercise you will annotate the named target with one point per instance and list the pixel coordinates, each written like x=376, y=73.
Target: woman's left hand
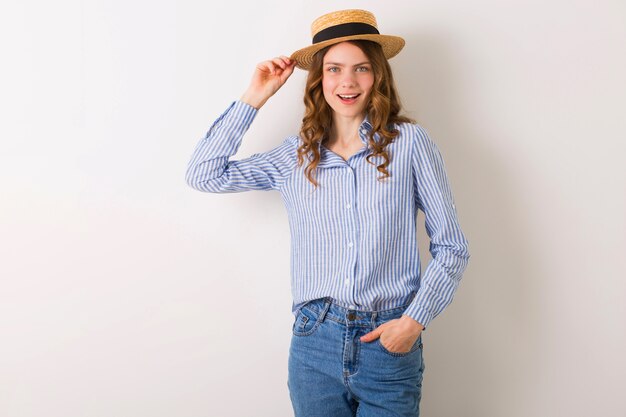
x=397, y=335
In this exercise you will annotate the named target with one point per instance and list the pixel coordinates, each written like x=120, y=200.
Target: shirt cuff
x=243, y=104
x=419, y=313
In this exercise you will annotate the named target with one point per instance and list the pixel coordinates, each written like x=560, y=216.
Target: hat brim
x=391, y=45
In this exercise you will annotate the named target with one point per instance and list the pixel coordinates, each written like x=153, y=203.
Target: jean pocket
x=306, y=322
x=416, y=346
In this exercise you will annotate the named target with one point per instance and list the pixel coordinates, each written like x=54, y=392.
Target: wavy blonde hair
x=383, y=110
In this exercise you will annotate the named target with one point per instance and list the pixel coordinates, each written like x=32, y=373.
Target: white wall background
x=123, y=292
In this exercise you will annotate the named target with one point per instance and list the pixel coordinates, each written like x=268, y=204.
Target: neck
x=345, y=129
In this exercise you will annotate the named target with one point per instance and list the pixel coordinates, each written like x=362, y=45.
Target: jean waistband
x=329, y=308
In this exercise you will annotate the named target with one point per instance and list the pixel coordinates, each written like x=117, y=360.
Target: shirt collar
x=329, y=159
x=365, y=128
x=366, y=122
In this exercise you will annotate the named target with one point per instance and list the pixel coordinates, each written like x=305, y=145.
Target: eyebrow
x=341, y=65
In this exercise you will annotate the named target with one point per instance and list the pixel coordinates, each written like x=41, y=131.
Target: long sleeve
x=210, y=169
x=448, y=244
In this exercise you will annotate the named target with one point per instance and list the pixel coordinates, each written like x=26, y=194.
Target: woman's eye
x=364, y=69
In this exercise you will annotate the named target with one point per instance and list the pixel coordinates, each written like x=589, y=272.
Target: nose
x=348, y=79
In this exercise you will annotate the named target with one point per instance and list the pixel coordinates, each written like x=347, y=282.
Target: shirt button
x=364, y=131
x=347, y=281
x=348, y=206
x=350, y=244
x=352, y=307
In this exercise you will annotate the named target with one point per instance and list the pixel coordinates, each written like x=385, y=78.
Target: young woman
x=360, y=300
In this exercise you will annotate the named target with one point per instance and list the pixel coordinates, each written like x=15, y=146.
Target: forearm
x=210, y=159
x=439, y=283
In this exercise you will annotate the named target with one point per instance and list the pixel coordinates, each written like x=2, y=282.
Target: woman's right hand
x=268, y=77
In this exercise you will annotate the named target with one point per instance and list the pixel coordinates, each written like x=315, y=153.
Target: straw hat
x=341, y=26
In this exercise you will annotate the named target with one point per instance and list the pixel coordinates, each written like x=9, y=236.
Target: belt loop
x=374, y=314
x=327, y=302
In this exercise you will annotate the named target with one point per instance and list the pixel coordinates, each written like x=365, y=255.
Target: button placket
x=350, y=230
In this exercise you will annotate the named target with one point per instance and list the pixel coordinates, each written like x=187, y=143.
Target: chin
x=350, y=112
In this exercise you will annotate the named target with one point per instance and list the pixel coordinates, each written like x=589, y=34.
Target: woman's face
x=347, y=71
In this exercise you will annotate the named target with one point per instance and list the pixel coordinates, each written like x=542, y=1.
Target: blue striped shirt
x=354, y=238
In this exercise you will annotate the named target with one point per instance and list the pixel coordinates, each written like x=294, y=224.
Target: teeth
x=348, y=97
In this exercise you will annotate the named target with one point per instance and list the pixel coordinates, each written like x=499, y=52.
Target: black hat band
x=344, y=29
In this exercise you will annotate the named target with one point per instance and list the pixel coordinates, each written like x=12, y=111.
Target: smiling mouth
x=348, y=98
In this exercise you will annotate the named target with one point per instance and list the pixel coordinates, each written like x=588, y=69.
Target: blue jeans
x=333, y=374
